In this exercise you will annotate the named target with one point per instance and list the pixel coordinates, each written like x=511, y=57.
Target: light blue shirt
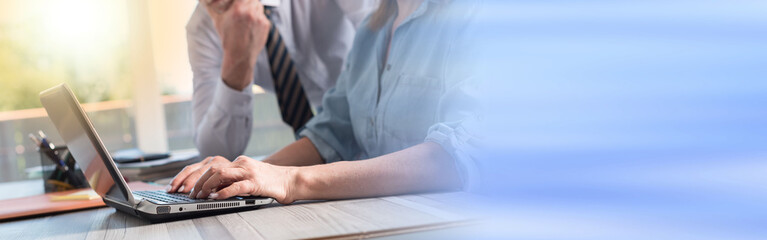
x=426, y=91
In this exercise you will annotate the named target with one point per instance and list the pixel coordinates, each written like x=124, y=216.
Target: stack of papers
x=160, y=168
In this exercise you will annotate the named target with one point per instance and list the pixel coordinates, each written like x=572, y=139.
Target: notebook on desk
x=103, y=176
x=50, y=203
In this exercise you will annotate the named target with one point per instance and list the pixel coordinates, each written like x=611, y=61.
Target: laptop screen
x=83, y=143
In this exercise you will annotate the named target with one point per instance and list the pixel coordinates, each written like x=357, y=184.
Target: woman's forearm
x=298, y=153
x=421, y=168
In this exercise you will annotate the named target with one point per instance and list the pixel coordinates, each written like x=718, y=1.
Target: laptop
x=99, y=168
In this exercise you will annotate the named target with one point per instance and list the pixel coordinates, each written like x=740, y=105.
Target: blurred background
x=605, y=119
x=626, y=119
x=91, y=45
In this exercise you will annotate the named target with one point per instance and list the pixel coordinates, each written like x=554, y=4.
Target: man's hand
x=185, y=180
x=243, y=29
x=245, y=176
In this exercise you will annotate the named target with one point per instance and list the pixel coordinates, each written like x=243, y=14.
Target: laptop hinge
x=121, y=205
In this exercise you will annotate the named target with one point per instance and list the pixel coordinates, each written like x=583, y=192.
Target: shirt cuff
x=456, y=141
x=327, y=152
x=231, y=101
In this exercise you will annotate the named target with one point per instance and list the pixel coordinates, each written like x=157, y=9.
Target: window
x=91, y=45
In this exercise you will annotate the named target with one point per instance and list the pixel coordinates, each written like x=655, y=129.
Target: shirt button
x=388, y=67
x=371, y=122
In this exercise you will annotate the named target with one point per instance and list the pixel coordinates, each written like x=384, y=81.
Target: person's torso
x=394, y=111
x=318, y=35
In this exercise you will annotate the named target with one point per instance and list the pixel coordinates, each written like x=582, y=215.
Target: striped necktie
x=294, y=105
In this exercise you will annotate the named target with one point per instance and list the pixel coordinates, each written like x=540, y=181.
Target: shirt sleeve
x=331, y=129
x=458, y=129
x=222, y=115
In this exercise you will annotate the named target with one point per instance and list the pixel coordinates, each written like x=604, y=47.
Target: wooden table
x=439, y=215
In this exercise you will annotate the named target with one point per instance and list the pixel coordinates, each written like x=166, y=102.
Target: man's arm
x=222, y=116
x=225, y=39
x=243, y=29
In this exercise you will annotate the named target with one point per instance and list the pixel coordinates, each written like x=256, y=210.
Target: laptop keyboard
x=160, y=196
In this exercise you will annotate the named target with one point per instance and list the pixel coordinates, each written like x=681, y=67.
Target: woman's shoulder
x=364, y=31
x=460, y=11
x=364, y=41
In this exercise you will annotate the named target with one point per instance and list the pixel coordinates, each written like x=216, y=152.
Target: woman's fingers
x=182, y=176
x=185, y=180
x=191, y=179
x=237, y=188
x=219, y=179
x=202, y=179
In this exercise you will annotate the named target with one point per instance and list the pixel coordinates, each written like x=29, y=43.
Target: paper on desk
x=87, y=194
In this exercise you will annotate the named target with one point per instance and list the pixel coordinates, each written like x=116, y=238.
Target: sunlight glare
x=89, y=27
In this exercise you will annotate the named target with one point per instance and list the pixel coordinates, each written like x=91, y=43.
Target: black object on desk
x=60, y=171
x=136, y=155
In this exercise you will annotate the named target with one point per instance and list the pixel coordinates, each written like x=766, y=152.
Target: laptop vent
x=217, y=205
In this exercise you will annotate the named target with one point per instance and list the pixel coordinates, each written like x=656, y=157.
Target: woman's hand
x=245, y=176
x=184, y=181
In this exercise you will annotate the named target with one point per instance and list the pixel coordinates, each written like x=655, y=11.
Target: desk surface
x=357, y=218
x=21, y=189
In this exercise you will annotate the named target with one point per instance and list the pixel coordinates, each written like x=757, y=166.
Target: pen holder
x=60, y=176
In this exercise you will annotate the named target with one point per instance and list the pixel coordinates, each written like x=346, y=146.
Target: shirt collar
x=422, y=9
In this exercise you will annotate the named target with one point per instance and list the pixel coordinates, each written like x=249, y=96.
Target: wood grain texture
x=347, y=219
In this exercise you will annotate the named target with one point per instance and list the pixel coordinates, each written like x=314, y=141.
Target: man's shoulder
x=199, y=21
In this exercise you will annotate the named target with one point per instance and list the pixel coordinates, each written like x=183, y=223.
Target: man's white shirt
x=318, y=34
